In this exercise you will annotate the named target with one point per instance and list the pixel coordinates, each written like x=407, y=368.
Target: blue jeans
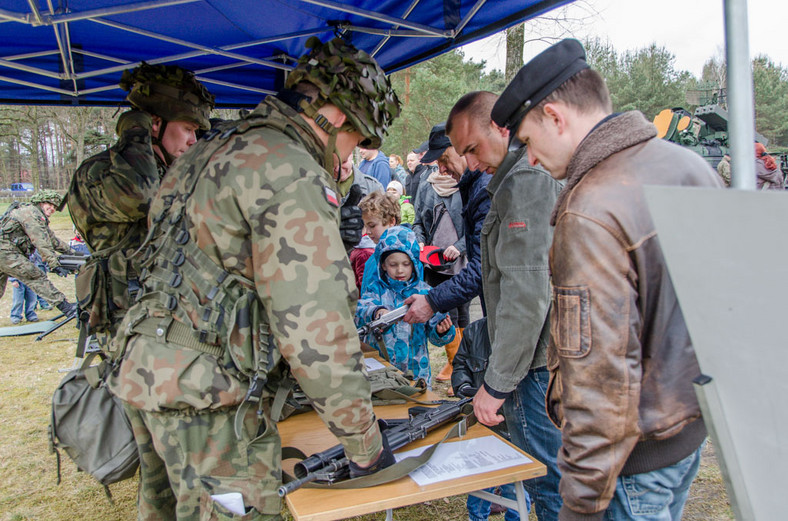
x=532, y=431
x=479, y=509
x=658, y=495
x=24, y=303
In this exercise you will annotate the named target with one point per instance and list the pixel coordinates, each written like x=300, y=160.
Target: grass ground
x=29, y=373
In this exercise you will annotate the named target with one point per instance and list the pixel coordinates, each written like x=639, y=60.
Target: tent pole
x=741, y=124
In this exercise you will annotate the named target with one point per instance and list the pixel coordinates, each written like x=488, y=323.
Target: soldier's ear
x=339, y=119
x=156, y=125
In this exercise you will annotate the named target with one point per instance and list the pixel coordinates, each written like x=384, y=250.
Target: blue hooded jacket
x=406, y=343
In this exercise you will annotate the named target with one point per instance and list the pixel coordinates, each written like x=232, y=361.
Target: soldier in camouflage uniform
x=246, y=277
x=110, y=193
x=23, y=230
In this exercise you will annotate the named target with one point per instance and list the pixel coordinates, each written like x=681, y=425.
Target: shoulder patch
x=331, y=196
x=517, y=224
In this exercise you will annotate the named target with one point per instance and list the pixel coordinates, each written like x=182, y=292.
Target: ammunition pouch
x=106, y=287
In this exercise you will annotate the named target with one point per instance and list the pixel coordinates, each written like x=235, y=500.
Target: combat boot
x=67, y=308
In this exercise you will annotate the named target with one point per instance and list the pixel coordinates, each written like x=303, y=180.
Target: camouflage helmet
x=168, y=91
x=353, y=81
x=47, y=196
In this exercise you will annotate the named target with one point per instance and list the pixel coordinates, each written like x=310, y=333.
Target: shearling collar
x=612, y=136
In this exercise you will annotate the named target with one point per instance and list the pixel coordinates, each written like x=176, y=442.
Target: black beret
x=438, y=143
x=536, y=80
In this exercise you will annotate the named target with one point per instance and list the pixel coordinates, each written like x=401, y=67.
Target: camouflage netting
x=353, y=81
x=168, y=91
x=47, y=196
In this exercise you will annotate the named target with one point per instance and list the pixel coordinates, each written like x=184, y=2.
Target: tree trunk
x=515, y=40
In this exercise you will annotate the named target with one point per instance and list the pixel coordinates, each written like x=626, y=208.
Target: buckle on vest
x=182, y=237
x=172, y=302
x=255, y=391
x=175, y=280
x=179, y=258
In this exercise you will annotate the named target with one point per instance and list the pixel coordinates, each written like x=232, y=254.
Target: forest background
x=44, y=145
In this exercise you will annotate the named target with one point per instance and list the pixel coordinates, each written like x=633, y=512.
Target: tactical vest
x=12, y=231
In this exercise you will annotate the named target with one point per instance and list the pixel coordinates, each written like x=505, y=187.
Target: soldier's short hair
x=476, y=106
x=381, y=205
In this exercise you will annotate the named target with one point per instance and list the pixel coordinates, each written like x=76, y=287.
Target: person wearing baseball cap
x=462, y=192
x=418, y=171
x=620, y=357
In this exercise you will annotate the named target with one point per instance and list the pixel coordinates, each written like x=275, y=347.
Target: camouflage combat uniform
x=261, y=223
x=24, y=230
x=109, y=198
x=110, y=193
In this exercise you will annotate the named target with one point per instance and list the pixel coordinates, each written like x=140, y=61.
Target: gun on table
x=72, y=263
x=331, y=466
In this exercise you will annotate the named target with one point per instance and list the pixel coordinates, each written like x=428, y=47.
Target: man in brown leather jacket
x=620, y=358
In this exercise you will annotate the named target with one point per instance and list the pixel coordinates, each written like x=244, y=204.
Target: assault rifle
x=379, y=325
x=72, y=263
x=331, y=466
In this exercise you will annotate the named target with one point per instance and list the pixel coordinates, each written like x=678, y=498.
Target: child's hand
x=444, y=325
x=15, y=284
x=379, y=313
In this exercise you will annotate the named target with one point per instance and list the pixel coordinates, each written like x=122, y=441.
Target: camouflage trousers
x=14, y=264
x=187, y=458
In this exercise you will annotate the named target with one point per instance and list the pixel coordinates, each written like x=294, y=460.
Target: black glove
x=351, y=225
x=60, y=271
x=385, y=459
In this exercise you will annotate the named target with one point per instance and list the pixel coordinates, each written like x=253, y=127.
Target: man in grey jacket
x=515, y=242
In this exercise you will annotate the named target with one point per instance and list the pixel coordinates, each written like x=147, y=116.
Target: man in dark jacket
x=419, y=172
x=467, y=284
x=620, y=357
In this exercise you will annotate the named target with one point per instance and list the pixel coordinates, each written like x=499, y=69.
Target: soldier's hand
x=351, y=225
x=133, y=119
x=60, y=271
x=385, y=459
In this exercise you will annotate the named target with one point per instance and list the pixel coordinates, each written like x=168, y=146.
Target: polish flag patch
x=517, y=224
x=331, y=197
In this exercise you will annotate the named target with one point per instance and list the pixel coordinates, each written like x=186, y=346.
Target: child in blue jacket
x=400, y=274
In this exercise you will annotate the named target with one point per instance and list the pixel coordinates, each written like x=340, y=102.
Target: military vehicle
x=705, y=131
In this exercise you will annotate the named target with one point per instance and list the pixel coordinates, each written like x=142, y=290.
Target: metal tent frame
x=73, y=51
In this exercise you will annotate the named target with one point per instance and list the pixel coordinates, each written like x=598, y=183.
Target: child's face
x=398, y=266
x=375, y=226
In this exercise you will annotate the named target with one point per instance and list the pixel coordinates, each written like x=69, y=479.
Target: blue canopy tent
x=73, y=52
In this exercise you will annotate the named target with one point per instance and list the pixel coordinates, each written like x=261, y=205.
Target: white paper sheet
x=232, y=501
x=373, y=364
x=464, y=458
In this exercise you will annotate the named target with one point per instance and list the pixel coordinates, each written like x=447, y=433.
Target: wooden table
x=308, y=433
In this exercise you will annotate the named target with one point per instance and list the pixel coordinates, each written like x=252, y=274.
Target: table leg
x=520, y=504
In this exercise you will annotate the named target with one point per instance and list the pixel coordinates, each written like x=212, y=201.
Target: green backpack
x=90, y=425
